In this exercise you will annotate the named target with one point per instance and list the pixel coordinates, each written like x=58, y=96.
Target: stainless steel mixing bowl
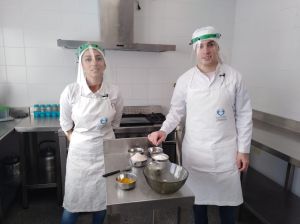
x=126, y=181
x=165, y=177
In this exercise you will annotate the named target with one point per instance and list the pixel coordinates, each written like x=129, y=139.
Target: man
x=218, y=128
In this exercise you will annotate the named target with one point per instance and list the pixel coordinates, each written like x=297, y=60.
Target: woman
x=218, y=128
x=90, y=108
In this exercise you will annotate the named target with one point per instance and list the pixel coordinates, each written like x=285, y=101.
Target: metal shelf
x=268, y=201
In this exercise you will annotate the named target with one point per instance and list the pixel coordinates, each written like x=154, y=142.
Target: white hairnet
x=204, y=33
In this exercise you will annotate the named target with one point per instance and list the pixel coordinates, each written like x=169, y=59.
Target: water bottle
x=43, y=110
x=54, y=110
x=36, y=111
x=57, y=110
x=48, y=110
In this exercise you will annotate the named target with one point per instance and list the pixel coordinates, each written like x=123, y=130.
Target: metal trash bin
x=47, y=161
x=11, y=168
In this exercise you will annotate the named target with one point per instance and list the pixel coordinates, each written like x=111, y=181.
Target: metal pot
x=11, y=165
x=47, y=161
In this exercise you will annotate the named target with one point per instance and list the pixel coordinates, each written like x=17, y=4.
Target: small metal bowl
x=160, y=157
x=126, y=181
x=138, y=160
x=155, y=150
x=132, y=151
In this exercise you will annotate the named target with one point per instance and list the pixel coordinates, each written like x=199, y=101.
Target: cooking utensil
x=116, y=171
x=155, y=150
x=126, y=181
x=165, y=178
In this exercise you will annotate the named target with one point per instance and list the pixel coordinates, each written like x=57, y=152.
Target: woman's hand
x=157, y=137
x=69, y=134
x=242, y=161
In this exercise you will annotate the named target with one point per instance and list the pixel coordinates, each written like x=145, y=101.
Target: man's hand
x=242, y=161
x=157, y=137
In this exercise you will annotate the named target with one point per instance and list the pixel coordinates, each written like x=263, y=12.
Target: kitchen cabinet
x=27, y=131
x=9, y=186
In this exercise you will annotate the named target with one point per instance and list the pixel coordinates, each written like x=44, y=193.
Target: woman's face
x=93, y=63
x=208, y=53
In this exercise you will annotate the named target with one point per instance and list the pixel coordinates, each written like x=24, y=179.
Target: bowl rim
x=161, y=150
x=136, y=149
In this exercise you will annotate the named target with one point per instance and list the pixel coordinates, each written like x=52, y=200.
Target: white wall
x=34, y=70
x=267, y=50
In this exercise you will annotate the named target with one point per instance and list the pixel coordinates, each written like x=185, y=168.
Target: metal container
x=11, y=165
x=126, y=181
x=165, y=178
x=160, y=157
x=138, y=160
x=132, y=151
x=155, y=150
x=47, y=161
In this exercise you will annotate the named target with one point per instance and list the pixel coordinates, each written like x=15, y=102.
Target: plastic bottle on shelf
x=58, y=110
x=36, y=111
x=43, y=110
x=48, y=111
x=54, y=110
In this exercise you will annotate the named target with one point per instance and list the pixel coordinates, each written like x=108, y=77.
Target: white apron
x=210, y=145
x=85, y=189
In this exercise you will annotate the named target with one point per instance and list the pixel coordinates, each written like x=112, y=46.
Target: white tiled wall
x=31, y=62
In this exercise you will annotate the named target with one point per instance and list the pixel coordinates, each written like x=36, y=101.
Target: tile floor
x=43, y=209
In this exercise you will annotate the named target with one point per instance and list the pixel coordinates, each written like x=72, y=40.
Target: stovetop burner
x=141, y=119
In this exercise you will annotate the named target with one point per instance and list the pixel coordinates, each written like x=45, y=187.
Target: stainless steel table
x=27, y=130
x=7, y=127
x=267, y=200
x=141, y=205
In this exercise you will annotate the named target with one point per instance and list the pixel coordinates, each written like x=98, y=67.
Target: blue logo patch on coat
x=103, y=120
x=220, y=114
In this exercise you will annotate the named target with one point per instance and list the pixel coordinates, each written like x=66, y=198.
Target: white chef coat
x=94, y=115
x=213, y=183
x=72, y=93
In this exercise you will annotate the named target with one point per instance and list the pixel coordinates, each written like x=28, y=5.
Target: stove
x=139, y=121
x=129, y=120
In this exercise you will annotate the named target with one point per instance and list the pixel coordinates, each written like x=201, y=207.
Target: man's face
x=207, y=53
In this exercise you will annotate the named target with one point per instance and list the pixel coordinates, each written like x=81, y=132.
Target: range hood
x=117, y=29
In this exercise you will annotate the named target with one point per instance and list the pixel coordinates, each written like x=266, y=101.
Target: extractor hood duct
x=117, y=29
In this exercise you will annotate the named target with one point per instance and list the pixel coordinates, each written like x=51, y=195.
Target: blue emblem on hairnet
x=220, y=115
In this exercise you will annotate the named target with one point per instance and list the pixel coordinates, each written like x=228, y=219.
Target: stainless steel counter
x=281, y=140
x=279, y=204
x=141, y=205
x=7, y=127
x=30, y=124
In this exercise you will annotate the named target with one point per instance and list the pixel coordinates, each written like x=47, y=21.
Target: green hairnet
x=85, y=46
